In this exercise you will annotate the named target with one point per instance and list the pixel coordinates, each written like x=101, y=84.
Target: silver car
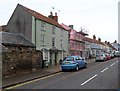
x=100, y=57
x=117, y=54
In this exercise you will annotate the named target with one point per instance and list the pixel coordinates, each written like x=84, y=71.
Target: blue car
x=73, y=62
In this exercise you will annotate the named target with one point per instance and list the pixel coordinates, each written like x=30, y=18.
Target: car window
x=77, y=58
x=97, y=55
x=69, y=58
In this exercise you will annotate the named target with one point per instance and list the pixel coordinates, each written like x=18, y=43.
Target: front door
x=50, y=58
x=55, y=58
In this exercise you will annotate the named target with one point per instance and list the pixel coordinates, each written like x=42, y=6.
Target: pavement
x=11, y=81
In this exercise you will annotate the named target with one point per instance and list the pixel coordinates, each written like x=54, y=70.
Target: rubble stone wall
x=16, y=59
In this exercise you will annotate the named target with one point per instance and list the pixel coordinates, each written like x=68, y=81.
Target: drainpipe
x=35, y=31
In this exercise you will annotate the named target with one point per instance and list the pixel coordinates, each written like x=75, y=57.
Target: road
x=98, y=75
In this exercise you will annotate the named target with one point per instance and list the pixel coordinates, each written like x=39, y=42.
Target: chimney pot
x=51, y=13
x=55, y=18
x=55, y=14
x=99, y=39
x=115, y=41
x=105, y=42
x=94, y=37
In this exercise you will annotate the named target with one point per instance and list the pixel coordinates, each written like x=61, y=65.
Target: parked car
x=73, y=62
x=117, y=54
x=108, y=56
x=100, y=57
x=111, y=55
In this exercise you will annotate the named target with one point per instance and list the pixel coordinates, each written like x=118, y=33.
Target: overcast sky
x=99, y=17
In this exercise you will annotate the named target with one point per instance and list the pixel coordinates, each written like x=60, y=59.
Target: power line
x=92, y=9
x=98, y=8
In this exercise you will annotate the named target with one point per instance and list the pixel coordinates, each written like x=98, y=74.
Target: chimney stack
x=51, y=15
x=105, y=42
x=94, y=37
x=99, y=39
x=71, y=26
x=55, y=18
x=115, y=41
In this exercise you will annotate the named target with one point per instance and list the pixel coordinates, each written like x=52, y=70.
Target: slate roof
x=14, y=40
x=68, y=29
x=110, y=46
x=42, y=17
x=93, y=41
x=83, y=33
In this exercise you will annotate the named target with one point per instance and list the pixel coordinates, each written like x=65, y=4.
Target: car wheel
x=63, y=70
x=105, y=60
x=85, y=66
x=77, y=68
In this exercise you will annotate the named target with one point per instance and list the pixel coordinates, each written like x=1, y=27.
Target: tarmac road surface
x=98, y=75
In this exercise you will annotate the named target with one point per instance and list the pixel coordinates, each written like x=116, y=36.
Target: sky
x=96, y=17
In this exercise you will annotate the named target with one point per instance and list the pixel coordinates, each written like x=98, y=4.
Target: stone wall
x=19, y=59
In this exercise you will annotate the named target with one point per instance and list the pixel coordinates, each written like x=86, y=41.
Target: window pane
x=53, y=42
x=53, y=29
x=70, y=59
x=42, y=39
x=43, y=26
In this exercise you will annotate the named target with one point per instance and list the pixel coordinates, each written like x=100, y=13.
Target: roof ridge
x=92, y=40
x=42, y=17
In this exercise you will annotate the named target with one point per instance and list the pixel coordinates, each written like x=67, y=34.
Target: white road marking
x=97, y=75
x=116, y=61
x=89, y=79
x=112, y=64
x=104, y=69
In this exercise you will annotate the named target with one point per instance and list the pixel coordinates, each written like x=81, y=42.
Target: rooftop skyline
x=98, y=18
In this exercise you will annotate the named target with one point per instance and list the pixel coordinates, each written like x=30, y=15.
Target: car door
x=79, y=61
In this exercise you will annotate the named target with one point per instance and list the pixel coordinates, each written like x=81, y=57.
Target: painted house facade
x=93, y=46
x=44, y=32
x=116, y=45
x=76, y=41
x=109, y=48
x=106, y=47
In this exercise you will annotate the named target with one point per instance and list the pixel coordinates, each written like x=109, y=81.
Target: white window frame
x=53, y=29
x=53, y=42
x=43, y=26
x=42, y=40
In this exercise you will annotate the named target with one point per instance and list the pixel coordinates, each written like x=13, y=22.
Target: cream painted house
x=49, y=37
x=44, y=32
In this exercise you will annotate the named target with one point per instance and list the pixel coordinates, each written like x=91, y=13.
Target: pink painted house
x=76, y=41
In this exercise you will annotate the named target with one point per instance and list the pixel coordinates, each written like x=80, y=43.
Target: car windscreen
x=69, y=59
x=99, y=55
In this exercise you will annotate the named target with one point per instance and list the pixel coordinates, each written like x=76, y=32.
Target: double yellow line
x=21, y=84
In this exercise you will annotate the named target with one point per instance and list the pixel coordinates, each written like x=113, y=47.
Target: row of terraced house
x=30, y=39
